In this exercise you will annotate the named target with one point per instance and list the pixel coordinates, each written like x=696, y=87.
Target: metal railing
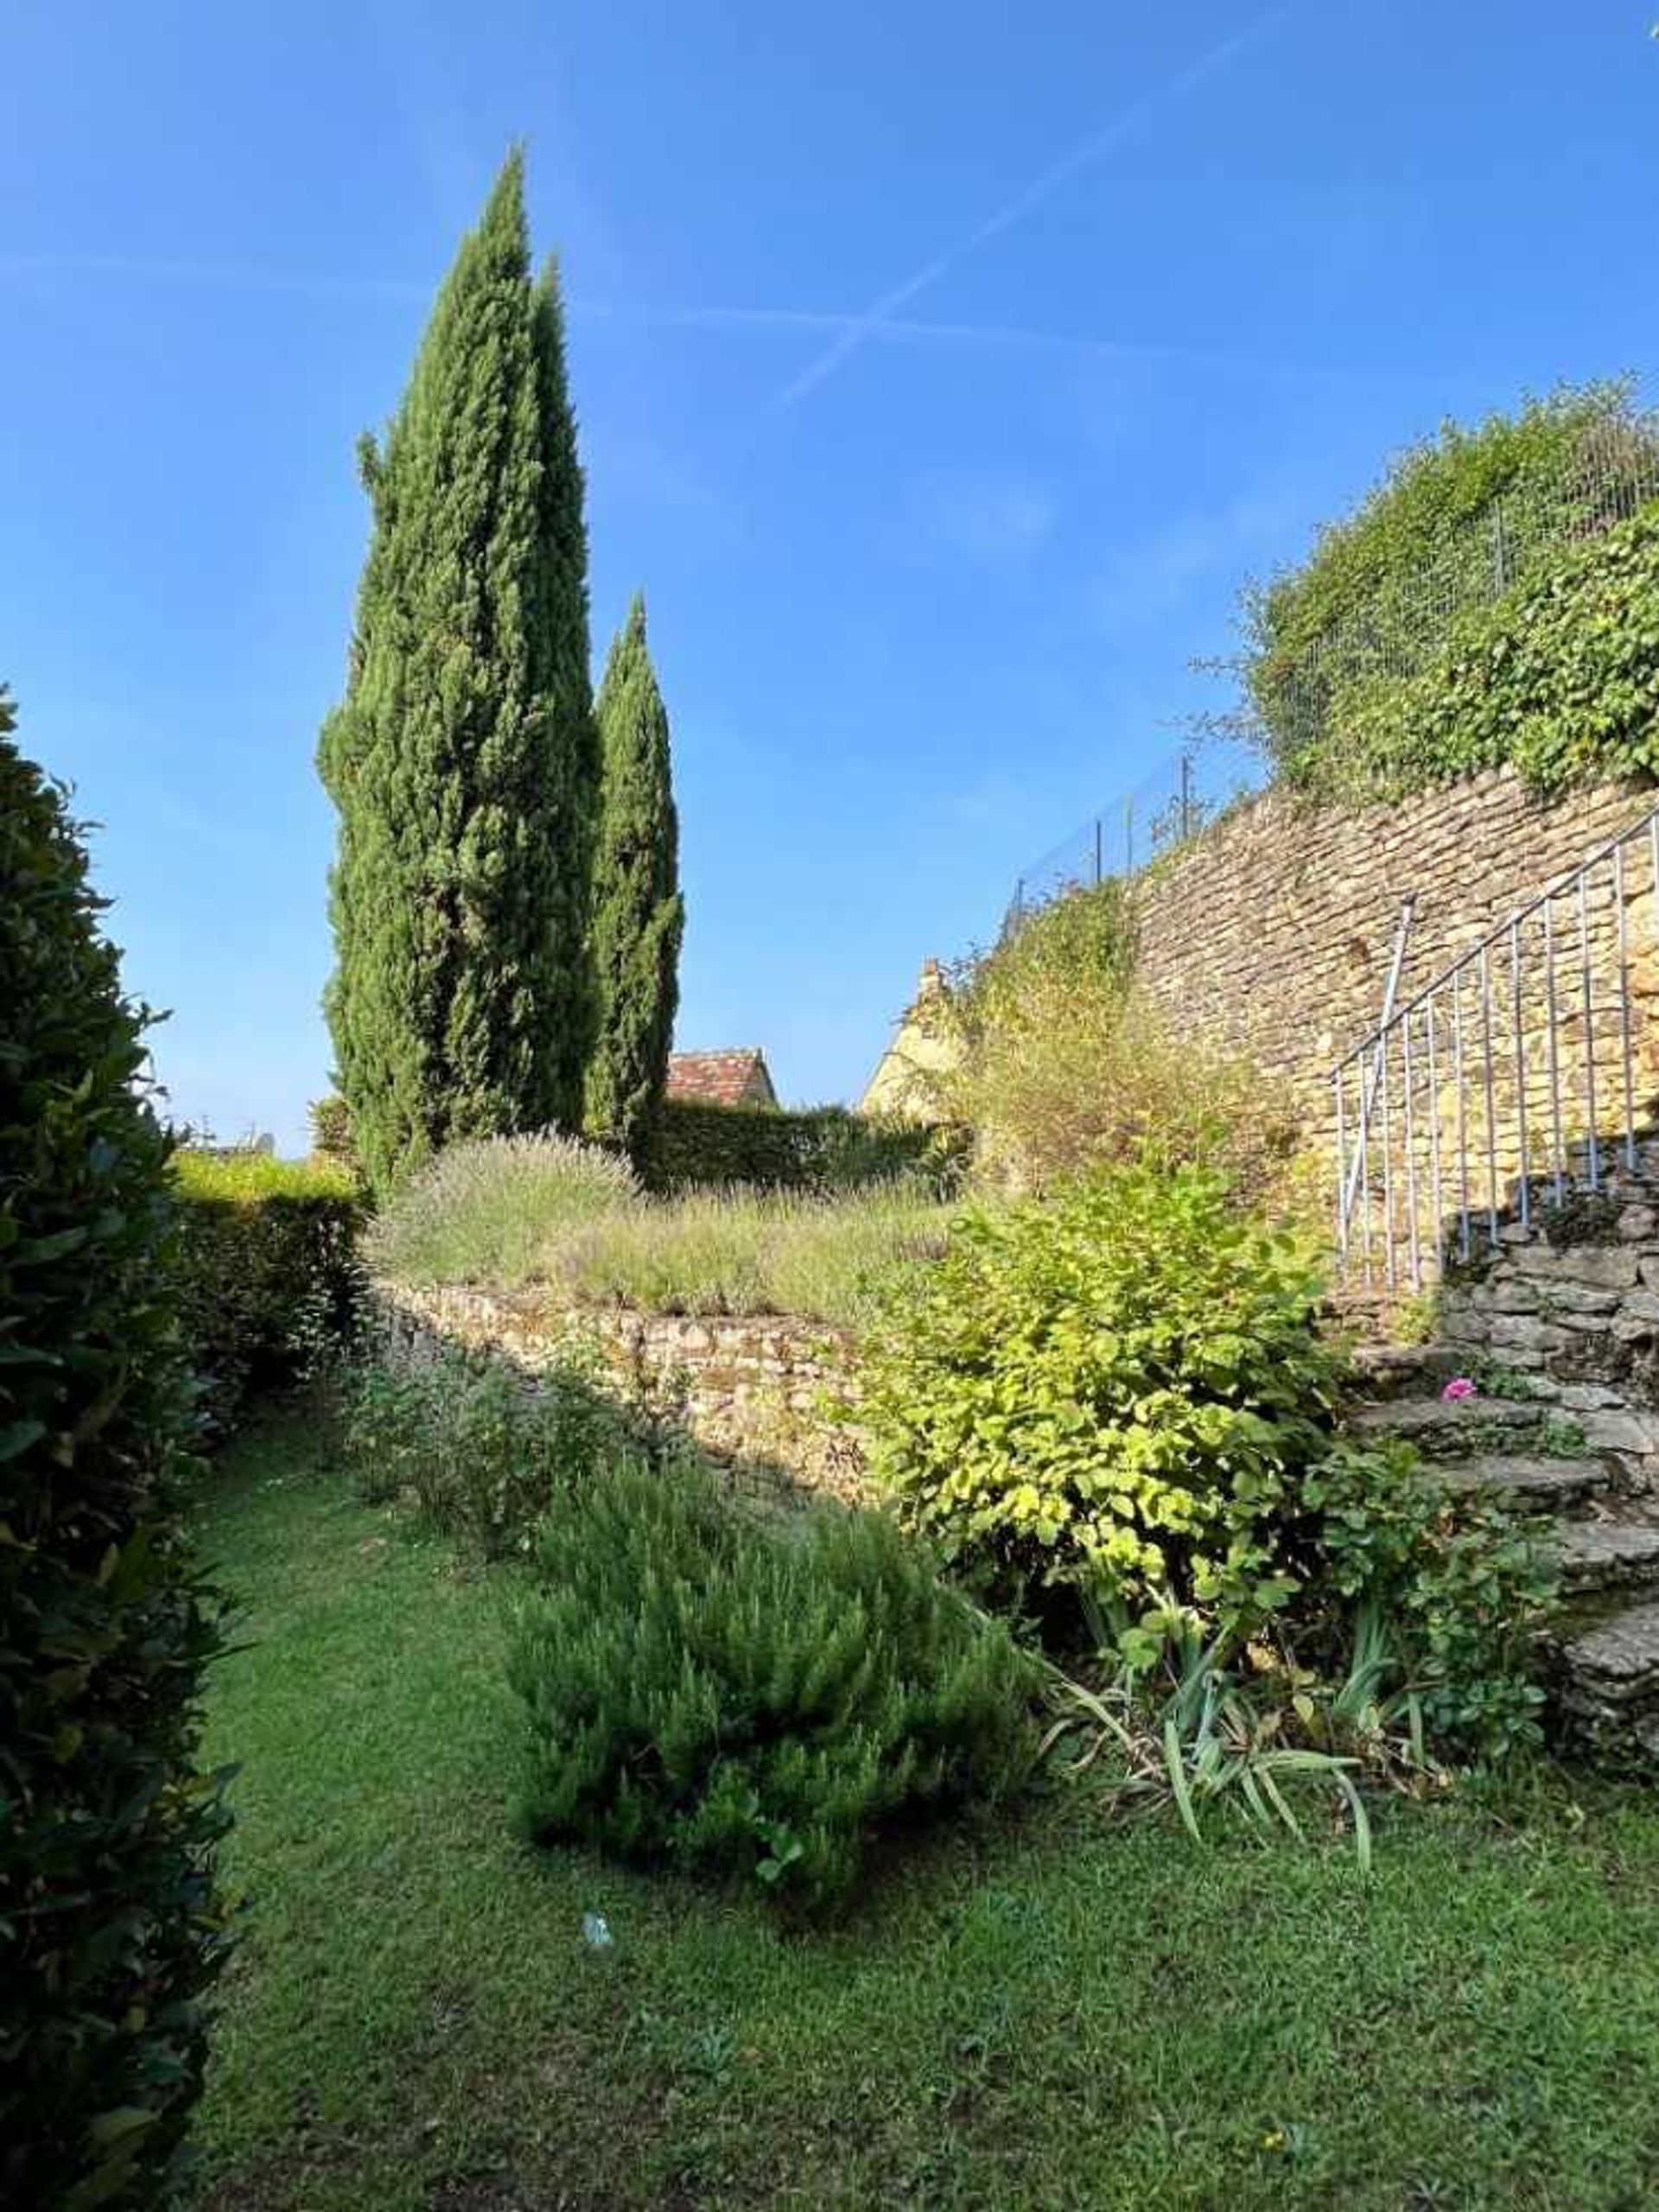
x=1523, y=1070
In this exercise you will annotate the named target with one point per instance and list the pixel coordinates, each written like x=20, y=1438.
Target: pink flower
x=1459, y=1387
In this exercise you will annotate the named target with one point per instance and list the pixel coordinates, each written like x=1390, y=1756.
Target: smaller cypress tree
x=639, y=916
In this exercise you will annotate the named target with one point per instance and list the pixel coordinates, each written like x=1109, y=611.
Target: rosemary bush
x=751, y=1697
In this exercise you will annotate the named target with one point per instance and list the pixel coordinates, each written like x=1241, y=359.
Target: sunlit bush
x=1066, y=1066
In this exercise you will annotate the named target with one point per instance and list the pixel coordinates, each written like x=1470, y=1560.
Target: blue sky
x=942, y=369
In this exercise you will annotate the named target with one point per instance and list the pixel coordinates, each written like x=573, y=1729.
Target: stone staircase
x=1557, y=1323
x=1604, y=1653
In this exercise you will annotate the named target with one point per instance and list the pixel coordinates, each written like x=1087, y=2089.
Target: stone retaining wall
x=1271, y=933
x=769, y=1395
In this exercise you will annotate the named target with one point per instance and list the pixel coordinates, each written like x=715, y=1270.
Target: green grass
x=1046, y=2014
x=514, y=1211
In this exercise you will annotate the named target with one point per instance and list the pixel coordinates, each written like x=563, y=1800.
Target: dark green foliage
x=1561, y=679
x=819, y=1148
x=1463, y=1587
x=751, y=1697
x=270, y=1283
x=639, y=916
x=1456, y=521
x=475, y=1450
x=462, y=761
x=110, y=1933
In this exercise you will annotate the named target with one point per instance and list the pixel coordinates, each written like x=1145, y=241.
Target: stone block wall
x=772, y=1397
x=1272, y=933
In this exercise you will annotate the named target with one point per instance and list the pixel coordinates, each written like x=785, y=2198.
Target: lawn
x=1048, y=2014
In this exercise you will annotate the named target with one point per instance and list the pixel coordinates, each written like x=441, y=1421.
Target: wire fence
x=1609, y=474
x=1188, y=789
x=1292, y=691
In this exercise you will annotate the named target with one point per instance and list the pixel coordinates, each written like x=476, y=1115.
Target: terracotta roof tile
x=730, y=1078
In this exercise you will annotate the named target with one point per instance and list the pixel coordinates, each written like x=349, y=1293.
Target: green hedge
x=267, y=1269
x=821, y=1148
x=1561, y=679
x=109, y=1931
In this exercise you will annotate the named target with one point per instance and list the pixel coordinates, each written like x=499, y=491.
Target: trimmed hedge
x=110, y=1930
x=267, y=1269
x=820, y=1148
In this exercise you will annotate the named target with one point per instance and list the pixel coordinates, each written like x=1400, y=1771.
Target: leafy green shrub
x=1465, y=1587
x=493, y=1209
x=1123, y=1394
x=1561, y=678
x=749, y=1697
x=1064, y=1067
x=475, y=1448
x=1118, y=1390
x=516, y=1209
x=818, y=1149
x=268, y=1278
x=1454, y=522
x=110, y=1933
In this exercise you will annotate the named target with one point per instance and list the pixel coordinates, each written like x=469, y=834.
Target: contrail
x=1024, y=203
x=237, y=275
x=992, y=337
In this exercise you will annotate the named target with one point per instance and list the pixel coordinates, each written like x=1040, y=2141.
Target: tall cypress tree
x=638, y=915
x=461, y=761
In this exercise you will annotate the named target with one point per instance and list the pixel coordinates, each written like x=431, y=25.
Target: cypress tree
x=638, y=915
x=462, y=760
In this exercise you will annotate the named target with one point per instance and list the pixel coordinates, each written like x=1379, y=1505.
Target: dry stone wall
x=1272, y=933
x=773, y=1397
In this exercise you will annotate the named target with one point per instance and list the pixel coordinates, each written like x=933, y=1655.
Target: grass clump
x=748, y=1697
x=520, y=1210
x=752, y=1252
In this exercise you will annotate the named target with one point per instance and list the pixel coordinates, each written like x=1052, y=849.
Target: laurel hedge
x=110, y=1931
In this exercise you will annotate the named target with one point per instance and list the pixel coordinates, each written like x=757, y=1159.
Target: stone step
x=1605, y=1554
x=1529, y=1485
x=1612, y=1666
x=1406, y=1370
x=1448, y=1426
